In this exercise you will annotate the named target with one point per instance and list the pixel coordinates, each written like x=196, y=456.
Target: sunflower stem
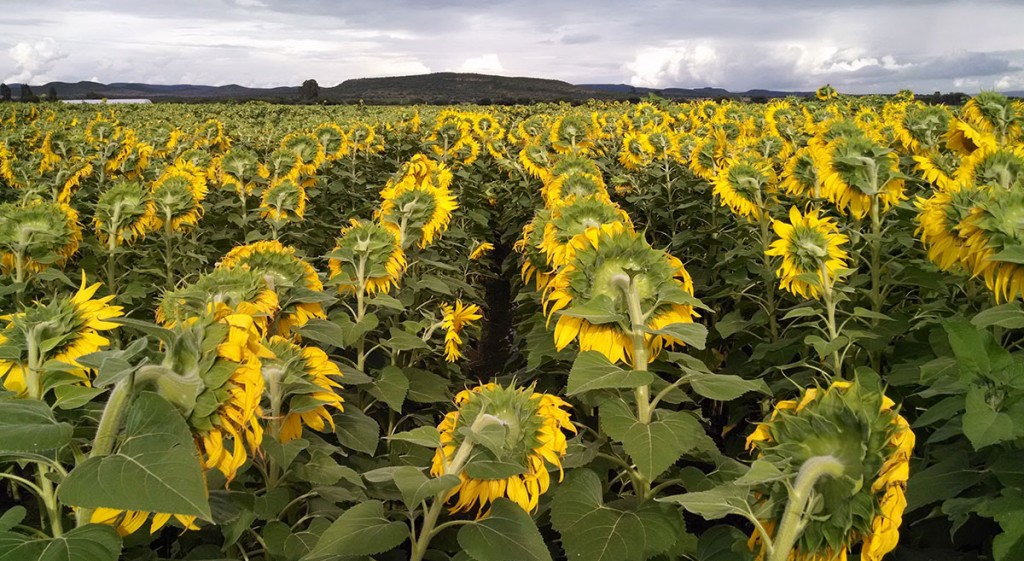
x=770, y=306
x=876, y=274
x=168, y=251
x=34, y=387
x=828, y=295
x=795, y=517
x=643, y=393
x=107, y=431
x=361, y=309
x=19, y=277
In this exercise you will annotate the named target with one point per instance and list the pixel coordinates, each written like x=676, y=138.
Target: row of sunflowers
x=706, y=330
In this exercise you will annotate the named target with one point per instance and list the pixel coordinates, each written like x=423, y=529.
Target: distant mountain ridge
x=436, y=88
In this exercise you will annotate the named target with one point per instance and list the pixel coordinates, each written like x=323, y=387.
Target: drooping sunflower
x=518, y=468
x=70, y=177
x=578, y=216
x=940, y=219
x=856, y=424
x=481, y=249
x=456, y=318
x=801, y=175
x=858, y=170
x=938, y=168
x=295, y=281
x=125, y=211
x=535, y=264
x=570, y=134
x=334, y=141
x=227, y=291
x=1001, y=168
x=240, y=167
x=177, y=195
x=366, y=254
x=603, y=257
x=964, y=138
x=560, y=189
x=301, y=387
x=63, y=329
x=637, y=151
x=37, y=234
x=745, y=185
x=127, y=522
x=921, y=127
x=994, y=114
x=994, y=240
x=808, y=244
x=307, y=149
x=535, y=158
x=284, y=200
x=418, y=207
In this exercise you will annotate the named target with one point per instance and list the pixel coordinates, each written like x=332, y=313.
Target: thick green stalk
x=107, y=431
x=828, y=295
x=34, y=387
x=638, y=323
x=795, y=517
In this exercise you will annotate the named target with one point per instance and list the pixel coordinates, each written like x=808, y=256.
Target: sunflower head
x=283, y=200
x=125, y=211
x=563, y=188
x=456, y=318
x=39, y=233
x=225, y=291
x=295, y=281
x=744, y=185
x=940, y=221
x=637, y=150
x=994, y=229
x=808, y=244
x=307, y=149
x=607, y=259
x=363, y=137
x=801, y=175
x=1000, y=168
x=302, y=386
x=993, y=113
x=419, y=206
x=570, y=134
x=921, y=127
x=858, y=169
x=535, y=158
x=572, y=219
x=177, y=196
x=535, y=263
x=368, y=255
x=856, y=424
x=515, y=435
x=63, y=329
x=334, y=141
x=240, y=166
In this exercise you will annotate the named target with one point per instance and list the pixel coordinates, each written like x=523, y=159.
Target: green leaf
x=405, y=341
x=1012, y=254
x=323, y=331
x=985, y=426
x=1009, y=315
x=731, y=324
x=387, y=301
x=801, y=312
x=723, y=543
x=969, y=346
x=724, y=387
x=356, y=430
x=940, y=481
x=155, y=469
x=869, y=314
x=594, y=531
x=825, y=348
x=28, y=425
x=72, y=397
x=693, y=334
x=426, y=387
x=92, y=542
x=599, y=309
x=761, y=471
x=417, y=487
x=656, y=446
x=714, y=503
x=592, y=371
x=391, y=387
x=507, y=534
x=360, y=530
x=616, y=419
x=420, y=436
x=12, y=517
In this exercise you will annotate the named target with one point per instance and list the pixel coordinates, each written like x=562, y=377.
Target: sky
x=858, y=46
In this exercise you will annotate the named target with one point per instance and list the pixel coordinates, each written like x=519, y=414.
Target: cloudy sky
x=858, y=46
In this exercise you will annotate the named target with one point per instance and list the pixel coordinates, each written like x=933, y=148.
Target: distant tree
x=310, y=91
x=5, y=92
x=26, y=94
x=51, y=94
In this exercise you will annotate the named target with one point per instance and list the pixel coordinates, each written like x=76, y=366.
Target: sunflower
x=36, y=234
x=601, y=257
x=994, y=241
x=227, y=291
x=939, y=221
x=228, y=403
x=938, y=168
x=744, y=185
x=70, y=178
x=456, y=318
x=366, y=255
x=1001, y=168
x=124, y=211
x=303, y=376
x=801, y=175
x=518, y=467
x=363, y=137
x=62, y=330
x=808, y=245
x=570, y=134
x=857, y=170
x=637, y=151
x=307, y=149
x=535, y=159
x=561, y=189
x=178, y=195
x=994, y=114
x=921, y=127
x=856, y=424
x=709, y=154
x=419, y=206
x=128, y=522
x=964, y=138
x=240, y=167
x=283, y=200
x=534, y=265
x=572, y=219
x=295, y=281
x=480, y=249
x=334, y=141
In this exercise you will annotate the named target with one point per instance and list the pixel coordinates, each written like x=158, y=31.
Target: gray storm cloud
x=33, y=60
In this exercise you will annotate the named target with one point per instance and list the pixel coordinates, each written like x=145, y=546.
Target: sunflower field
x=709, y=331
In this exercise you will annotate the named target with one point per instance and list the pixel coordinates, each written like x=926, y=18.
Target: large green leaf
x=28, y=425
x=714, y=503
x=361, y=530
x=985, y=425
x=594, y=531
x=155, y=469
x=391, y=387
x=417, y=487
x=654, y=447
x=593, y=371
x=356, y=430
x=724, y=387
x=693, y=334
x=1009, y=315
x=92, y=542
x=507, y=534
